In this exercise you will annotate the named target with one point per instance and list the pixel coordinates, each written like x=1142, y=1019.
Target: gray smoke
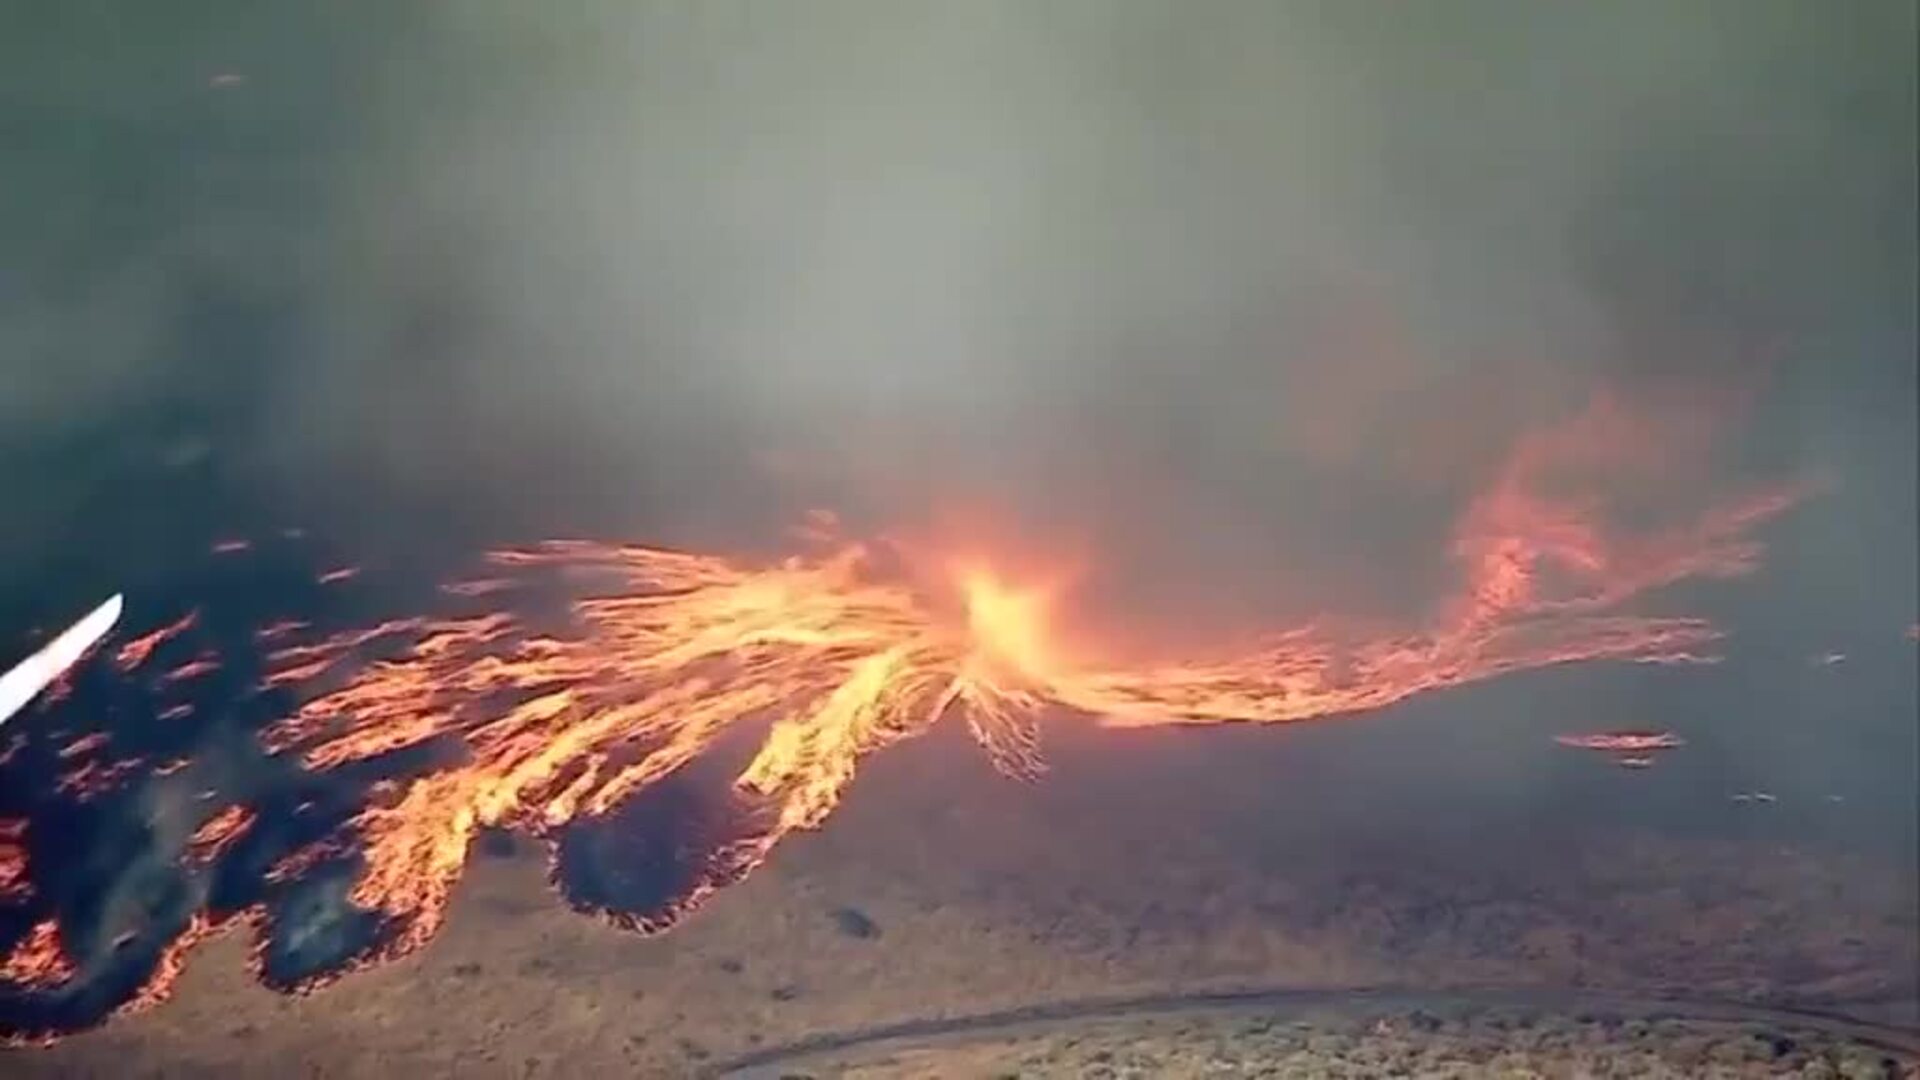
x=1259, y=292
x=694, y=266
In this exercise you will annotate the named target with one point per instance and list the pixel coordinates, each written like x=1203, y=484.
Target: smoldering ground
x=1253, y=296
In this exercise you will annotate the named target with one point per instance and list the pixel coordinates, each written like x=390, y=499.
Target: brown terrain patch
x=938, y=892
x=1440, y=1044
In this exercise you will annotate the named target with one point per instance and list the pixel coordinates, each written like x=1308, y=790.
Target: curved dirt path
x=773, y=1062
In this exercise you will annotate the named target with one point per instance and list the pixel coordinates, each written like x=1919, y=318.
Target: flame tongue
x=672, y=654
x=686, y=648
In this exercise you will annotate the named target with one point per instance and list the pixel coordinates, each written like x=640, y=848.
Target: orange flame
x=14, y=884
x=686, y=648
x=136, y=652
x=40, y=960
x=218, y=831
x=828, y=658
x=202, y=664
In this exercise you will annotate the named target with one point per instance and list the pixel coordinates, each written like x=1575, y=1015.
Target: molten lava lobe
x=663, y=719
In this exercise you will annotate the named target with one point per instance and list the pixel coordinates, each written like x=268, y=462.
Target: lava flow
x=554, y=720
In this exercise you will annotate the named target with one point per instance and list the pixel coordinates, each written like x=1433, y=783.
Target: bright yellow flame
x=1009, y=626
x=839, y=657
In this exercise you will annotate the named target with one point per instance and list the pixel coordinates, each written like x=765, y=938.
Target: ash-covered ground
x=1134, y=870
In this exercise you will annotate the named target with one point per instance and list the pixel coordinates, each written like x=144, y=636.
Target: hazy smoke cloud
x=1256, y=260
x=1247, y=271
x=1268, y=289
x=1247, y=299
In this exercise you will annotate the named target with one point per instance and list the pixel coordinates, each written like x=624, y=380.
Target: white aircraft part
x=34, y=674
